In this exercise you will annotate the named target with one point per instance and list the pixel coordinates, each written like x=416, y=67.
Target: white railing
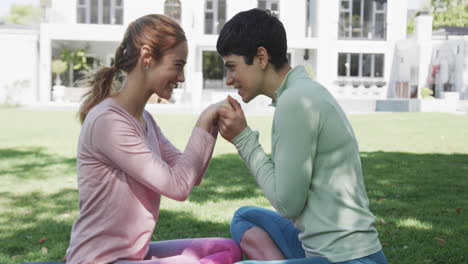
x=360, y=88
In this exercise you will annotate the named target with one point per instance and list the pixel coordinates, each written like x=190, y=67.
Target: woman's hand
x=231, y=122
x=209, y=117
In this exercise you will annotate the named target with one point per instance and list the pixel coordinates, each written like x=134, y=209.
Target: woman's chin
x=165, y=96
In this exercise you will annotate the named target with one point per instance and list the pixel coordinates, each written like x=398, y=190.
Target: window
x=272, y=5
x=215, y=16
x=311, y=18
x=378, y=65
x=342, y=64
x=100, y=12
x=354, y=66
x=214, y=73
x=172, y=9
x=362, y=19
x=364, y=65
x=81, y=11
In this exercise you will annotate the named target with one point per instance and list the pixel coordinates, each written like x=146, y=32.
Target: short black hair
x=244, y=33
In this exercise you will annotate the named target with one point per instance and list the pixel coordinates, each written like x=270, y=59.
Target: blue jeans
x=285, y=235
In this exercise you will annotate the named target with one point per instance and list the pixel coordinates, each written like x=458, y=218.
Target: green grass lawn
x=415, y=167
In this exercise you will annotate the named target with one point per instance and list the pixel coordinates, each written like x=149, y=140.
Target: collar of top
x=297, y=72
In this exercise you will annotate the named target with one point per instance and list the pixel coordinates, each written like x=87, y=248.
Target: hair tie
x=114, y=68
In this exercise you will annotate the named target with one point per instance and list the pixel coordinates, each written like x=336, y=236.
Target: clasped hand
x=231, y=120
x=227, y=115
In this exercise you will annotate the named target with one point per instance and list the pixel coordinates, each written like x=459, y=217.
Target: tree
x=449, y=13
x=445, y=13
x=24, y=15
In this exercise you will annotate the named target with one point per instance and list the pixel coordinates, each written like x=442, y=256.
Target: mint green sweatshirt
x=314, y=176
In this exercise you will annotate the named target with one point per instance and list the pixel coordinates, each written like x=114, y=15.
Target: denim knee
x=239, y=225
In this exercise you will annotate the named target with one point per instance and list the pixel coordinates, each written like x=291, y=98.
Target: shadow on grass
x=36, y=226
x=33, y=163
x=414, y=196
x=49, y=217
x=421, y=204
x=421, y=198
x=227, y=178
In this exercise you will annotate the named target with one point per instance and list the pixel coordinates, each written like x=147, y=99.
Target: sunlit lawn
x=415, y=166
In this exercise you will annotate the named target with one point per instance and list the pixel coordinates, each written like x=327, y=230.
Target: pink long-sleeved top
x=123, y=169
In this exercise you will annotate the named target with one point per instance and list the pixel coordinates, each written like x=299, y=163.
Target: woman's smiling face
x=168, y=71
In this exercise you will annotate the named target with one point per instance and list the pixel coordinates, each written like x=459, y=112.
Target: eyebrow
x=181, y=61
x=229, y=64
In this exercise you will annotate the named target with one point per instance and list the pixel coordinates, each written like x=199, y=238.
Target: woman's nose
x=181, y=77
x=229, y=80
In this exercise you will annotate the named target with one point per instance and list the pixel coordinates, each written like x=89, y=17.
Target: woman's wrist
x=205, y=121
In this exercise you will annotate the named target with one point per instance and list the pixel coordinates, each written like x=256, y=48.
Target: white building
x=431, y=62
x=350, y=46
x=18, y=65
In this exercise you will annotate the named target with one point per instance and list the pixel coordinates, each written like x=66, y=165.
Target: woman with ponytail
x=125, y=163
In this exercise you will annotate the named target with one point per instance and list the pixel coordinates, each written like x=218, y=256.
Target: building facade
x=347, y=45
x=358, y=49
x=19, y=53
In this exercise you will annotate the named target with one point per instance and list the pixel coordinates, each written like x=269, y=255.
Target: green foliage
x=58, y=66
x=449, y=13
x=444, y=13
x=414, y=164
x=24, y=14
x=75, y=58
x=213, y=66
x=410, y=25
x=427, y=93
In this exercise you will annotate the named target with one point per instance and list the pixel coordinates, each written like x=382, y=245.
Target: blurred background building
x=372, y=55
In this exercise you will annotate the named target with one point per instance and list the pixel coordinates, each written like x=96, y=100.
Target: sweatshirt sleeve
x=285, y=178
x=119, y=142
x=171, y=154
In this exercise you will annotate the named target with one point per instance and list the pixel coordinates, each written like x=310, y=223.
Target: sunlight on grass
x=414, y=165
x=385, y=181
x=377, y=193
x=414, y=223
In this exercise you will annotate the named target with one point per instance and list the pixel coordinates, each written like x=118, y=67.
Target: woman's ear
x=145, y=55
x=263, y=57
